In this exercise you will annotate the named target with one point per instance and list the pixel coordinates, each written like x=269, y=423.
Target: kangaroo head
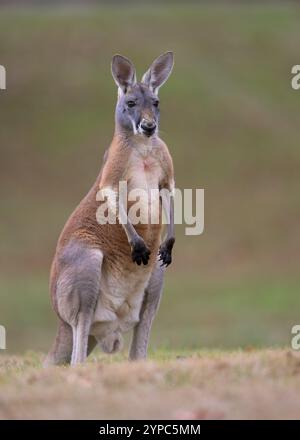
x=137, y=110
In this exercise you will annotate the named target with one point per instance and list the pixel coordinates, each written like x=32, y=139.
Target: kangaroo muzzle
x=147, y=127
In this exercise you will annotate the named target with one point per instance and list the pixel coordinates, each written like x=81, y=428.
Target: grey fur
x=77, y=303
x=165, y=250
x=159, y=72
x=139, y=251
x=135, y=107
x=77, y=292
x=141, y=332
x=123, y=72
x=61, y=351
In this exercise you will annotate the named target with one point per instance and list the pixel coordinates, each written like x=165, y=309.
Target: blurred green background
x=231, y=120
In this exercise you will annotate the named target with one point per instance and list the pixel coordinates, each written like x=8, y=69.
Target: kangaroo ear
x=123, y=72
x=159, y=72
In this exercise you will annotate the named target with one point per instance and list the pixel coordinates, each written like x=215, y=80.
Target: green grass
x=192, y=315
x=230, y=119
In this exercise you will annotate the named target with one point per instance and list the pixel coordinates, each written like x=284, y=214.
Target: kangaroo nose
x=148, y=126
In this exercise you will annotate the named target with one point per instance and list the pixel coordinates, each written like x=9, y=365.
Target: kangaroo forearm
x=139, y=251
x=165, y=250
x=168, y=207
x=128, y=227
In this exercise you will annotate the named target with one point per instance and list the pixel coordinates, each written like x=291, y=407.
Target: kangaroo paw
x=139, y=252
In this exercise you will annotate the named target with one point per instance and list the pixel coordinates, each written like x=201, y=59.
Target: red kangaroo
x=107, y=278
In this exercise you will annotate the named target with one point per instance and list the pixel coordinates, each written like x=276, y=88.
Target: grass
x=200, y=315
x=230, y=118
x=254, y=384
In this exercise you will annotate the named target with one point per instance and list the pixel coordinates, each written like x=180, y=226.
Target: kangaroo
x=107, y=279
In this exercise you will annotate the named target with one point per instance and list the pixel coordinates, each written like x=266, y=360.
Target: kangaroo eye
x=130, y=103
x=156, y=103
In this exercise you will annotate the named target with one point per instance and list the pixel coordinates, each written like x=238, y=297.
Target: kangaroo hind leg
x=141, y=332
x=61, y=350
x=77, y=293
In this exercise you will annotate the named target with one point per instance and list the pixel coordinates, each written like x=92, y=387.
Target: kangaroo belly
x=120, y=299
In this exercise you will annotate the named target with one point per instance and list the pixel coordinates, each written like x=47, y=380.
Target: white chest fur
x=144, y=167
x=144, y=174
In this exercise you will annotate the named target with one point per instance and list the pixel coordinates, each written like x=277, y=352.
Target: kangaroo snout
x=148, y=127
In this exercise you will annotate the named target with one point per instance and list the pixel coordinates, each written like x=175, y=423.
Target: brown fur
x=111, y=239
x=98, y=282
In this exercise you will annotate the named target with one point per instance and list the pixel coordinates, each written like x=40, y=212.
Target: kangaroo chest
x=144, y=170
x=143, y=175
x=122, y=290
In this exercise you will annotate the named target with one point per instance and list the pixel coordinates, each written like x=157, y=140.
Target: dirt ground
x=262, y=384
